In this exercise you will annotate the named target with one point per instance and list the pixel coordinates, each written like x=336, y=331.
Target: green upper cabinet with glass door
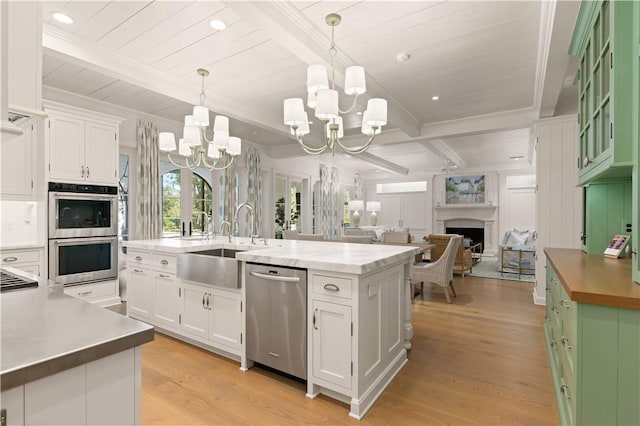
x=603, y=41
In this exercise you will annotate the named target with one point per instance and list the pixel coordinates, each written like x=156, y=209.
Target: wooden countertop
x=595, y=279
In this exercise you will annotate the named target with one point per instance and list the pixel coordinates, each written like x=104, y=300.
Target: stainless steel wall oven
x=83, y=233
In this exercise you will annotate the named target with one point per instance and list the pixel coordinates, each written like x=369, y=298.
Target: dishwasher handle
x=275, y=277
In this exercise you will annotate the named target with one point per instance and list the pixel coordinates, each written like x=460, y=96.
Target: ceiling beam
x=444, y=151
x=557, y=20
x=287, y=25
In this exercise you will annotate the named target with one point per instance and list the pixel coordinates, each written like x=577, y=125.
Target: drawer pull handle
x=331, y=287
x=565, y=303
x=554, y=345
x=137, y=270
x=565, y=390
x=139, y=258
x=555, y=309
x=163, y=276
x=275, y=355
x=85, y=293
x=565, y=342
x=203, y=296
x=164, y=262
x=10, y=259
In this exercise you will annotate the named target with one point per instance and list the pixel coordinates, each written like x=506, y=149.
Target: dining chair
x=311, y=237
x=361, y=239
x=396, y=237
x=439, y=272
x=289, y=235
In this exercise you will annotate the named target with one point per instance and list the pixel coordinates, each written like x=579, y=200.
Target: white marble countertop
x=321, y=255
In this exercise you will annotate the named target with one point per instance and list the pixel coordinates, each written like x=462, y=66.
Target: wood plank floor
x=480, y=360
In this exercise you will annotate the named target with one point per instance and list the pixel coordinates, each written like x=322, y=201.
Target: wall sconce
x=356, y=205
x=373, y=207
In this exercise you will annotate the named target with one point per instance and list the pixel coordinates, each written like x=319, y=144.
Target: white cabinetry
x=211, y=315
x=356, y=345
x=100, y=392
x=27, y=260
x=152, y=288
x=331, y=344
x=16, y=156
x=82, y=146
x=103, y=293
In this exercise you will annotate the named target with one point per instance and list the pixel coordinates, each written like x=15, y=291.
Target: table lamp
x=356, y=205
x=373, y=207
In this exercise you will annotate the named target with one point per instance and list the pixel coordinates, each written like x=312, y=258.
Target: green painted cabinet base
x=594, y=352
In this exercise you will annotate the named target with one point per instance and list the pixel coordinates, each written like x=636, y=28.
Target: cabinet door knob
x=565, y=342
x=565, y=390
x=314, y=319
x=138, y=258
x=565, y=303
x=554, y=345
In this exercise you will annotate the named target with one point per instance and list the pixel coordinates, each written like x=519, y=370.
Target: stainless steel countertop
x=45, y=331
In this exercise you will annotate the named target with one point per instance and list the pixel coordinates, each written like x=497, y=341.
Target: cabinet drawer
x=10, y=258
x=332, y=286
x=93, y=290
x=164, y=262
x=138, y=258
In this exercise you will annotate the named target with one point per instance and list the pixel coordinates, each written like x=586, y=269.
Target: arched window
x=202, y=197
x=182, y=209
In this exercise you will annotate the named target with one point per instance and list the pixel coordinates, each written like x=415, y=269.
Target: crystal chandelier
x=194, y=145
x=323, y=98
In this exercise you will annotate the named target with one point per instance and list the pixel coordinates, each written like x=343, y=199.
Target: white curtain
x=331, y=203
x=148, y=201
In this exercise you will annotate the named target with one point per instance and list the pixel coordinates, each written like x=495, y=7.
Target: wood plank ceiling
x=480, y=57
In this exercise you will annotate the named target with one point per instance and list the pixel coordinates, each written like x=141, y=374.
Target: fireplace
x=476, y=235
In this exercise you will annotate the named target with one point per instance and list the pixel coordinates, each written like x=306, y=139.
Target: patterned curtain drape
x=228, y=185
x=337, y=205
x=254, y=189
x=148, y=200
x=357, y=184
x=331, y=204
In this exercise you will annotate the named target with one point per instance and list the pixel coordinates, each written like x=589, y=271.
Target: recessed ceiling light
x=61, y=17
x=217, y=24
x=435, y=98
x=359, y=113
x=516, y=157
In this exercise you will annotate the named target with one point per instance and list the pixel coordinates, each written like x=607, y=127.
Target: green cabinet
x=603, y=41
x=593, y=352
x=607, y=212
x=636, y=145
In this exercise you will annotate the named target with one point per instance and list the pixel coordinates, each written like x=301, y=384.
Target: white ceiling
x=496, y=66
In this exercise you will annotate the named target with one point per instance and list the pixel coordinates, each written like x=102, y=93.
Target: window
x=171, y=204
x=182, y=209
x=288, y=207
x=386, y=188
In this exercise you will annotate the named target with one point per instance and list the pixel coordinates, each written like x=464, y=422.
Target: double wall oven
x=83, y=233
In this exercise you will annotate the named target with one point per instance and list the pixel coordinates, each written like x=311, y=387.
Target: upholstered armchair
x=464, y=259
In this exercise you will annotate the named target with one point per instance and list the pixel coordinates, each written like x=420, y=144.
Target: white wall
x=559, y=199
x=517, y=207
x=22, y=223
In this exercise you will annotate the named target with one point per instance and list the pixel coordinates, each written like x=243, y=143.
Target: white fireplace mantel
x=484, y=214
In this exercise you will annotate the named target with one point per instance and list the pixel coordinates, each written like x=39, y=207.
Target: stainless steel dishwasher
x=277, y=317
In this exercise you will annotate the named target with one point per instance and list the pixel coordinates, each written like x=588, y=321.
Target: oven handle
x=87, y=240
x=84, y=196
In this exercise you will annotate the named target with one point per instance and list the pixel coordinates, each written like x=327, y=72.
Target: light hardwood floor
x=480, y=360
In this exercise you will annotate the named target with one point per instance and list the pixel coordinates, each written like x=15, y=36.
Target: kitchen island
x=358, y=307
x=65, y=361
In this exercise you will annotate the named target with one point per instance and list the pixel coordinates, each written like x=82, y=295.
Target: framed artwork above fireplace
x=465, y=189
